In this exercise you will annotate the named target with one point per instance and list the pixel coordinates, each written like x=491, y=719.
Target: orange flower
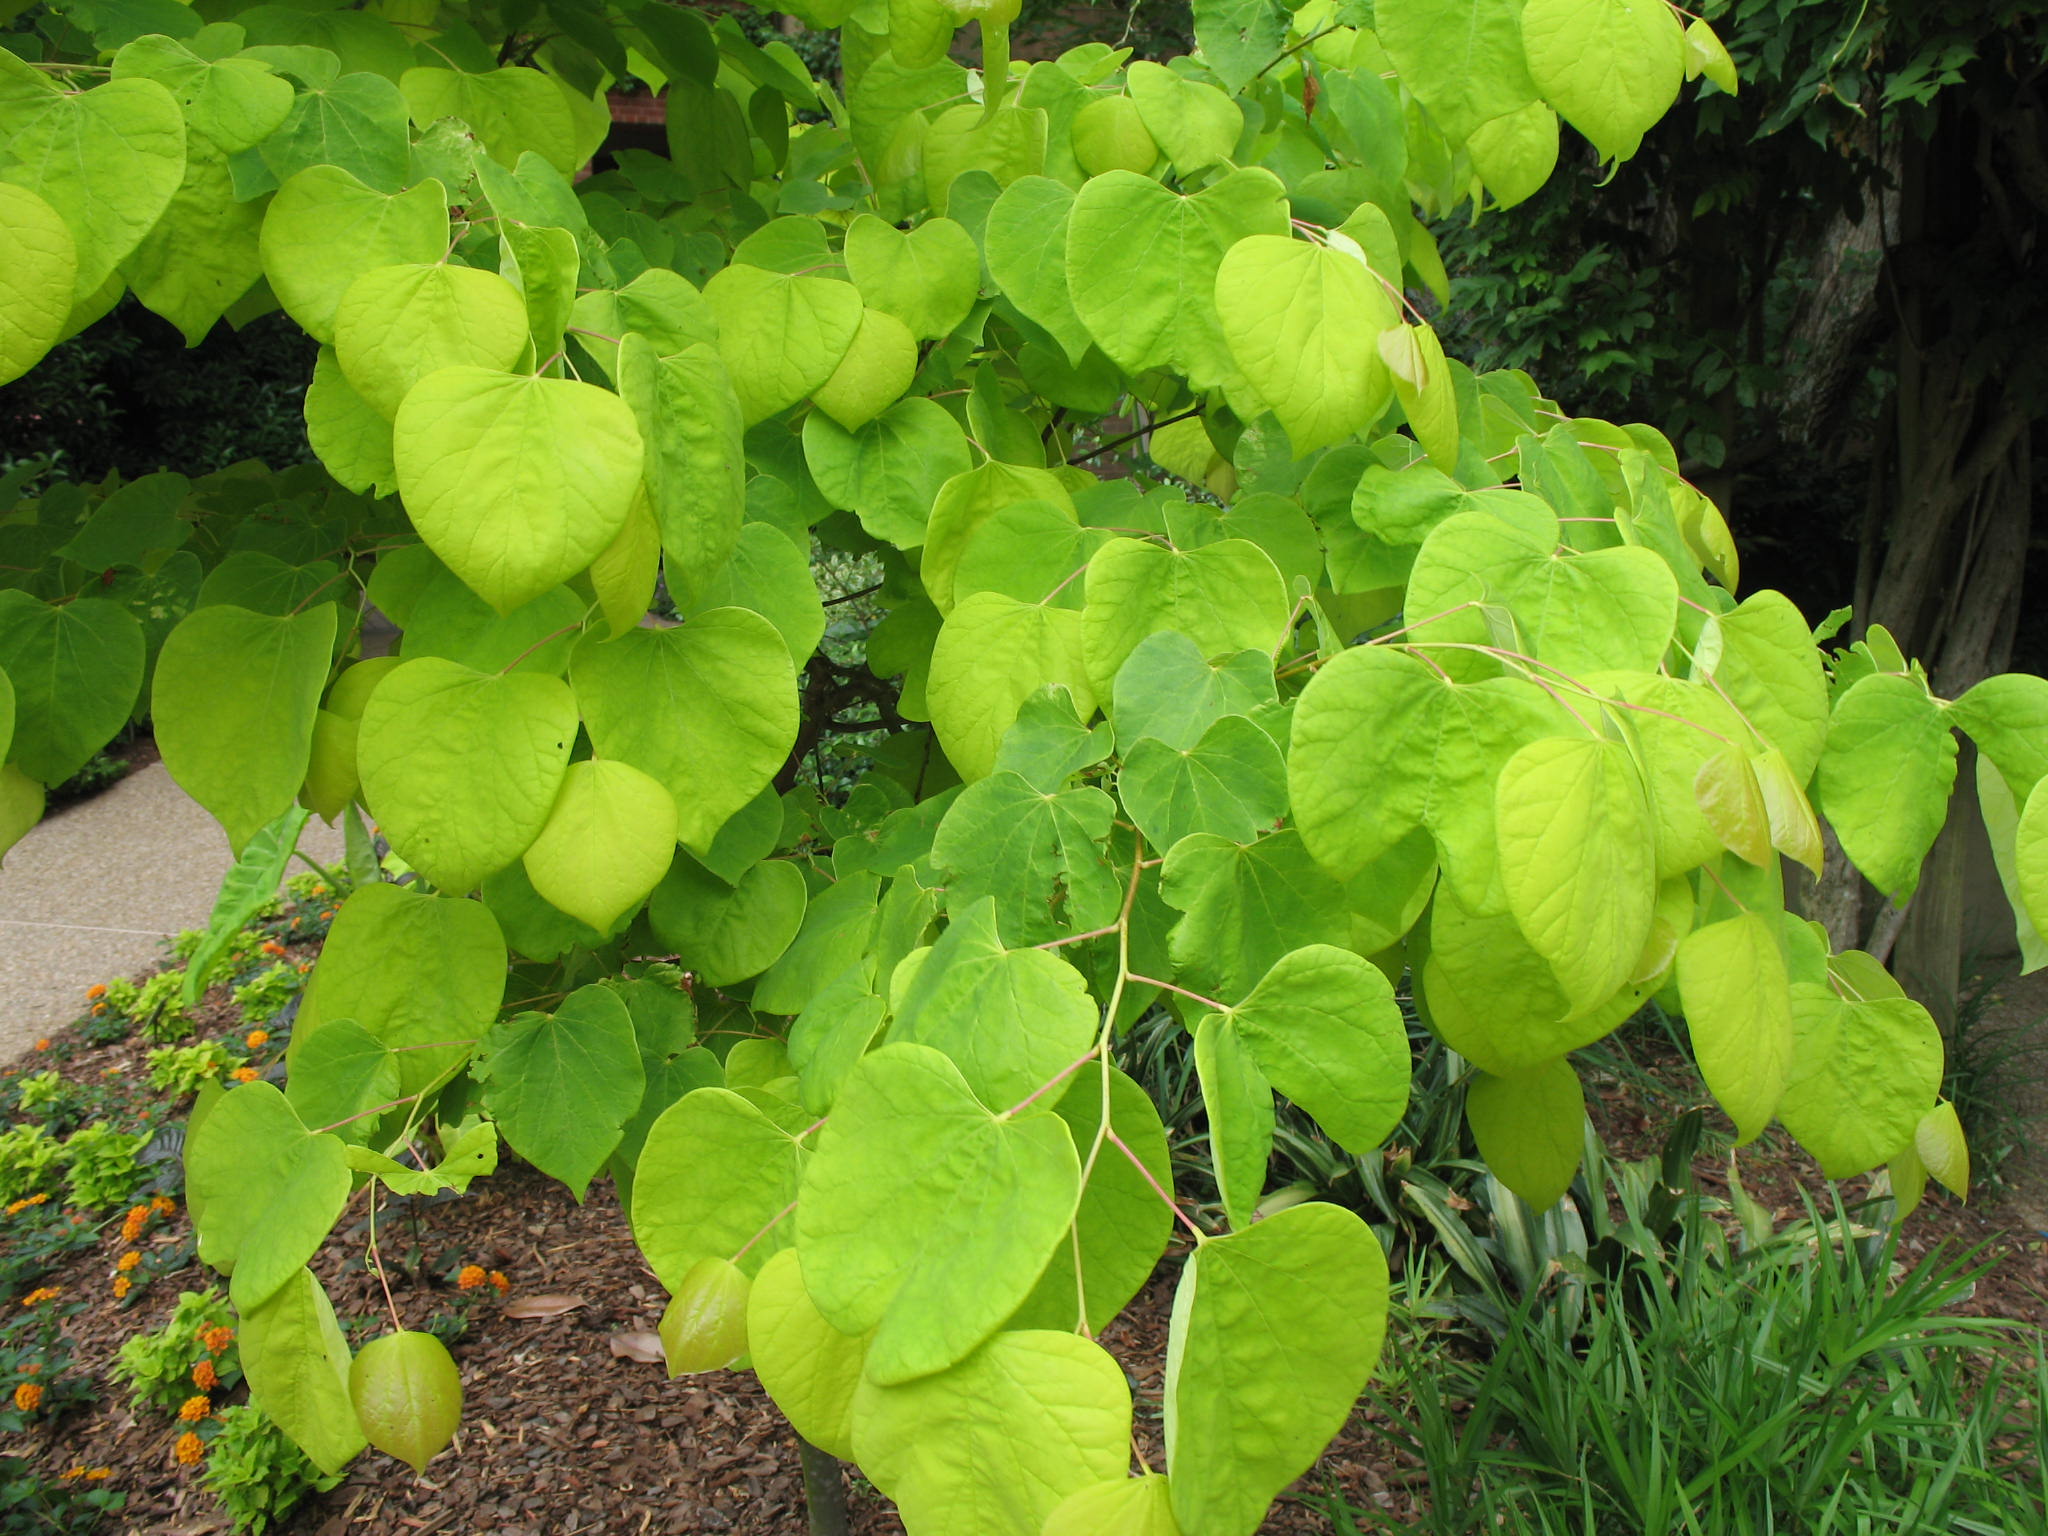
x=216, y=1339
x=128, y=1261
x=28, y=1397
x=193, y=1409
x=272, y=947
x=43, y=1044
x=98, y=1009
x=96, y=991
x=471, y=1277
x=164, y=1205
x=245, y=1074
x=190, y=1448
x=307, y=966
x=327, y=916
x=15, y=1208
x=99, y=1474
x=204, y=1376
x=73, y=1475
x=40, y=1293
x=257, y=1039
x=122, y=1286
x=133, y=1223
x=499, y=1281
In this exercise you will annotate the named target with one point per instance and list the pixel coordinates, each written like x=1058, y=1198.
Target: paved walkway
x=93, y=892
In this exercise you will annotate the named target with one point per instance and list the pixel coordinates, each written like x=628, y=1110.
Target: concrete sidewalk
x=94, y=891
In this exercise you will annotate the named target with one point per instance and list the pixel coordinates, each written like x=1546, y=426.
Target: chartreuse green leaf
x=1038, y=854
x=395, y=325
x=1124, y=1220
x=624, y=575
x=1233, y=782
x=1031, y=550
x=1245, y=907
x=1578, y=860
x=1612, y=68
x=781, y=337
x=1237, y=1099
x=1008, y=144
x=1026, y=243
x=1530, y=1128
x=39, y=261
x=993, y=653
x=1383, y=744
x=2030, y=859
x=1761, y=658
x=810, y=1368
x=994, y=1444
x=342, y=1073
x=461, y=767
x=345, y=430
x=928, y=277
x=416, y=971
x=1196, y=124
x=715, y=1180
x=926, y=1215
x=1325, y=1030
x=1731, y=804
x=1141, y=267
x=726, y=933
x=562, y=1085
x=1428, y=397
x=831, y=1035
x=1463, y=61
x=234, y=700
x=76, y=668
x=512, y=111
x=1885, y=777
x=707, y=708
x=768, y=574
x=297, y=1362
x=1226, y=597
x=966, y=503
x=877, y=367
x=608, y=840
x=705, y=1325
x=1733, y=983
x=1129, y=1506
x=1515, y=153
x=1495, y=1000
x=2001, y=826
x=888, y=473
x=108, y=160
x=271, y=1190
x=1678, y=726
x=21, y=805
x=2007, y=717
x=1168, y=690
x=1010, y=1020
x=407, y=1396
x=517, y=483
x=689, y=421
x=1293, y=314
x=838, y=929
x=324, y=229
x=1864, y=1071
x=355, y=122
x=1938, y=1140
x=1275, y=1331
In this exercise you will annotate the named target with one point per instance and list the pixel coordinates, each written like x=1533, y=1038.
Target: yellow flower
x=40, y=1293
x=190, y=1448
x=122, y=1286
x=128, y=1261
x=204, y=1376
x=193, y=1409
x=258, y=1038
x=28, y=1397
x=471, y=1277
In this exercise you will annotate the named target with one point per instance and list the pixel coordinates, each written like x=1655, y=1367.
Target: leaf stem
x=1132, y=437
x=1154, y=981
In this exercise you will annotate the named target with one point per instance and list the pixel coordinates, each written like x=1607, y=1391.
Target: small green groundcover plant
x=1376, y=665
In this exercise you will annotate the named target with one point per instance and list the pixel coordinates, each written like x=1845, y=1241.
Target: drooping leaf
x=1530, y=1129
x=1885, y=777
x=608, y=840
x=407, y=1396
x=1738, y=1006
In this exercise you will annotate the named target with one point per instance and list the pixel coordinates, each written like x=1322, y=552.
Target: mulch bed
x=563, y=1434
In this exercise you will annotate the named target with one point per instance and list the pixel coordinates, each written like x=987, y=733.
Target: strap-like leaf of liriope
x=1863, y=1073
x=1578, y=860
x=233, y=700
x=76, y=670
x=416, y=971
x=270, y=1190
x=716, y=1179
x=516, y=483
x=926, y=1215
x=1733, y=983
x=1295, y=316
x=297, y=1362
x=708, y=708
x=1276, y=1329
x=562, y=1085
x=1009, y=1019
x=461, y=768
x=38, y=268
x=1531, y=1128
x=994, y=1444
x=108, y=159
x=1885, y=777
